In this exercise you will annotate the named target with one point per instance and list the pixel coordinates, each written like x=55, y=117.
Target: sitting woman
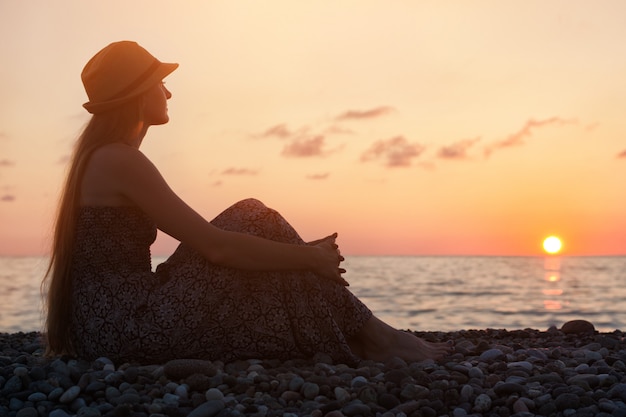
x=244, y=285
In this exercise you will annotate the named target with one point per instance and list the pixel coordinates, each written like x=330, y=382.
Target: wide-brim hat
x=120, y=72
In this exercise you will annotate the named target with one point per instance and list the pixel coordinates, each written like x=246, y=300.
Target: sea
x=422, y=293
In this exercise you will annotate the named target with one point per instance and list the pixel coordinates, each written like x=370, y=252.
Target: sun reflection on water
x=552, y=290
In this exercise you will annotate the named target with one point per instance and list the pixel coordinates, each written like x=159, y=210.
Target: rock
x=505, y=389
x=519, y=406
x=482, y=403
x=181, y=368
x=491, y=355
x=354, y=409
x=69, y=395
x=341, y=394
x=27, y=412
x=567, y=400
x=310, y=390
x=388, y=401
x=207, y=409
x=578, y=327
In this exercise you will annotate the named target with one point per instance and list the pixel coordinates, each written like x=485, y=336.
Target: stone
x=214, y=394
x=505, y=389
x=207, y=409
x=69, y=395
x=341, y=394
x=388, y=401
x=27, y=412
x=578, y=327
x=310, y=390
x=482, y=403
x=566, y=400
x=491, y=355
x=178, y=369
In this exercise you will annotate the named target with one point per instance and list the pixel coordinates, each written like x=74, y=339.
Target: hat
x=119, y=72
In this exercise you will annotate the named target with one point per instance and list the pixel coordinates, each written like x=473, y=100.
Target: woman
x=244, y=285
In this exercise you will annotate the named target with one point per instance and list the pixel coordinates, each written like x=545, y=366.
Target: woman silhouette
x=243, y=285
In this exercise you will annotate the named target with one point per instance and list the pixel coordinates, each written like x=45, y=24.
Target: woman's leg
x=380, y=342
x=375, y=340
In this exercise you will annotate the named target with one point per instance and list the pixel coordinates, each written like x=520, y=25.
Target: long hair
x=113, y=126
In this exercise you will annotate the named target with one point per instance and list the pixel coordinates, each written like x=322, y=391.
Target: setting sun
x=552, y=244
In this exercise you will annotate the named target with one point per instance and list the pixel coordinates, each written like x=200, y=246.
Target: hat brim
x=162, y=71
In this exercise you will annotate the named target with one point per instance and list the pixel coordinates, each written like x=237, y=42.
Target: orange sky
x=431, y=127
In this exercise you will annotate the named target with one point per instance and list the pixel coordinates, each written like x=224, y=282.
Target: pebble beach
x=569, y=371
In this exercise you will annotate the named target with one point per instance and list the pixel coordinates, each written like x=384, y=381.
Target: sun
x=552, y=244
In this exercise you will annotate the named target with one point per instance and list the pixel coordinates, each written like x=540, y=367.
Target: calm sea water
x=424, y=293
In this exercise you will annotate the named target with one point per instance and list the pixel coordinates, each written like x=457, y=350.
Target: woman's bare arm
x=137, y=180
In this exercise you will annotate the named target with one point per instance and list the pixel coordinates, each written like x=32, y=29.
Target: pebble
x=568, y=372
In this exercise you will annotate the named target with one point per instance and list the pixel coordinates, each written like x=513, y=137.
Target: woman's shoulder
x=118, y=156
x=116, y=150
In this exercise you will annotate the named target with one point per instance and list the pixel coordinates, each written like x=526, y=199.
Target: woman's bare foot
x=380, y=342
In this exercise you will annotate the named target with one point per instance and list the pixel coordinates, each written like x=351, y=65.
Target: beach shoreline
x=573, y=371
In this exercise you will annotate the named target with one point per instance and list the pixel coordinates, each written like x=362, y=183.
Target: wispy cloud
x=280, y=131
x=239, y=171
x=6, y=163
x=364, y=114
x=396, y=152
x=7, y=198
x=338, y=130
x=3, y=136
x=622, y=154
x=517, y=138
x=306, y=147
x=318, y=176
x=457, y=150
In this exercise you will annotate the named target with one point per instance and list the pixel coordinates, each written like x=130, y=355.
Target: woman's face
x=155, y=105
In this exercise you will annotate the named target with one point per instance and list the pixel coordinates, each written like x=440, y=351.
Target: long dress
x=190, y=308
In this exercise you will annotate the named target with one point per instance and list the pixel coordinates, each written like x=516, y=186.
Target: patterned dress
x=190, y=308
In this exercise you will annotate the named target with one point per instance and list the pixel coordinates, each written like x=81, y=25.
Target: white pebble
x=214, y=394
x=482, y=403
x=341, y=394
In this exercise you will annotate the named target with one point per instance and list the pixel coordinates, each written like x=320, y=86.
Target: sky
x=408, y=127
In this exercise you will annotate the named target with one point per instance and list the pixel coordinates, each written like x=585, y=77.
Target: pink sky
x=426, y=128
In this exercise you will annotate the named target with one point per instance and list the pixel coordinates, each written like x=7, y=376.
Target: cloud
x=622, y=154
x=457, y=150
x=277, y=131
x=6, y=163
x=318, y=176
x=517, y=138
x=396, y=152
x=306, y=147
x=3, y=136
x=338, y=130
x=239, y=171
x=7, y=198
x=364, y=114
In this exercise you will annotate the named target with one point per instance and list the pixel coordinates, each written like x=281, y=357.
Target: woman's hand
x=330, y=259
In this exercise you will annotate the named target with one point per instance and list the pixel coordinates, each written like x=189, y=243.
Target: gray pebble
x=491, y=355
x=69, y=395
x=482, y=403
x=341, y=394
x=27, y=412
x=207, y=409
x=58, y=412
